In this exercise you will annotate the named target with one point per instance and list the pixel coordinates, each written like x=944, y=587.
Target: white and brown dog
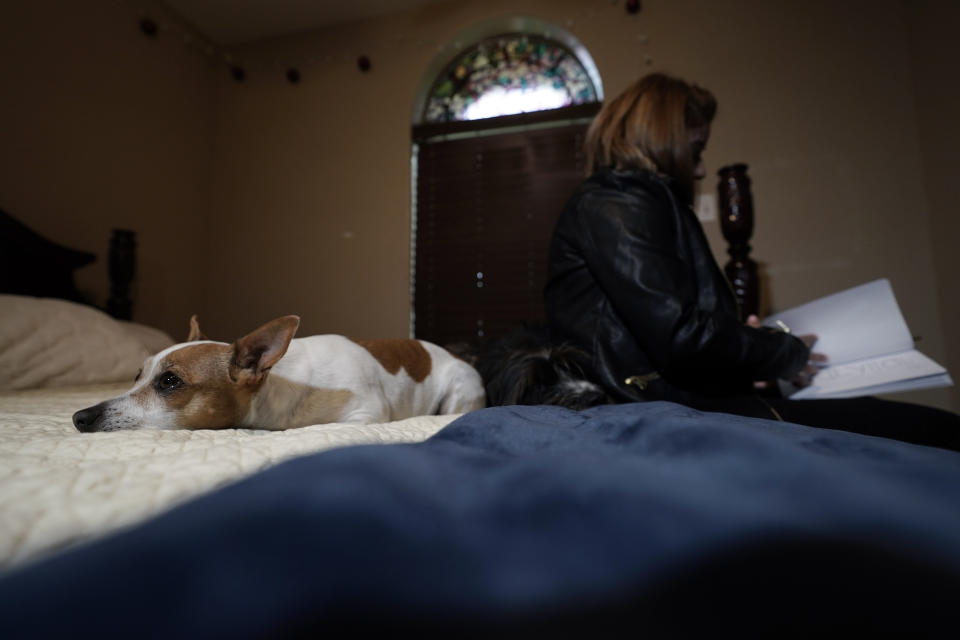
x=268, y=380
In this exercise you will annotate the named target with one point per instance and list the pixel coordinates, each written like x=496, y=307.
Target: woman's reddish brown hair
x=648, y=126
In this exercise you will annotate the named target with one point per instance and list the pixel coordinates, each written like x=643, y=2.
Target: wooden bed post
x=122, y=264
x=736, y=223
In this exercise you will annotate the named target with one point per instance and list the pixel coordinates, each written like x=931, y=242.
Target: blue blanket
x=520, y=520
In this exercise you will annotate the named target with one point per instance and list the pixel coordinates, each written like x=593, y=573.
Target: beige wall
x=296, y=198
x=936, y=54
x=103, y=128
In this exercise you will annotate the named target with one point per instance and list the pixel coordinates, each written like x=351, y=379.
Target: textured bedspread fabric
x=59, y=487
x=526, y=520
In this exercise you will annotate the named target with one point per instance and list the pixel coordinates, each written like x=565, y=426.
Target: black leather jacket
x=633, y=281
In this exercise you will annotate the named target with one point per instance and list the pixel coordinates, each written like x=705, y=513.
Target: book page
x=861, y=322
x=870, y=372
x=914, y=384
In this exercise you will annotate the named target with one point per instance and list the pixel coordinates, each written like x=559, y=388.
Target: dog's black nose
x=86, y=420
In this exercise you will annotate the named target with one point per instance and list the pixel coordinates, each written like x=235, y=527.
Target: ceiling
x=232, y=22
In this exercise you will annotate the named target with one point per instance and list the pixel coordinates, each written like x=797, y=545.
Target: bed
x=526, y=520
x=59, y=487
x=60, y=352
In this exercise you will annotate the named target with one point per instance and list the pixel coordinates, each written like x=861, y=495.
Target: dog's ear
x=255, y=353
x=195, y=333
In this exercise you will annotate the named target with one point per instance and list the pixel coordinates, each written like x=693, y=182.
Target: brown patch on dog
x=208, y=398
x=316, y=405
x=396, y=353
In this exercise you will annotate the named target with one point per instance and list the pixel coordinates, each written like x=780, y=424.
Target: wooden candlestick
x=736, y=222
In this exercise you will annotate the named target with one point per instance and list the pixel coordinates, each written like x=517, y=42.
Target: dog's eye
x=167, y=381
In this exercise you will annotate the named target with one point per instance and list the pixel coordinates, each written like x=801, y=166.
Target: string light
x=154, y=24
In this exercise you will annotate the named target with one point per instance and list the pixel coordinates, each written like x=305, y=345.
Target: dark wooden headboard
x=32, y=265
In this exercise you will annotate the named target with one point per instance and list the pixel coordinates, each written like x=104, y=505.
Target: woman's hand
x=805, y=376
x=812, y=368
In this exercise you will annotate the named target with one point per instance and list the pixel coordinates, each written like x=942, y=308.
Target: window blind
x=486, y=207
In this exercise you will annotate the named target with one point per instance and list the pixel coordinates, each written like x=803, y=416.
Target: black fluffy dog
x=527, y=367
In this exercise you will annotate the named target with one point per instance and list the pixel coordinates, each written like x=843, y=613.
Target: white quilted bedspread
x=59, y=487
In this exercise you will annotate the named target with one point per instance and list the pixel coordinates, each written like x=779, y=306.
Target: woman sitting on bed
x=633, y=281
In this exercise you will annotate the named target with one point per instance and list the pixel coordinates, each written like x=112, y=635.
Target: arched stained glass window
x=506, y=75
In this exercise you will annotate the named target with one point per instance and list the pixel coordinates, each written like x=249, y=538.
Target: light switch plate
x=706, y=207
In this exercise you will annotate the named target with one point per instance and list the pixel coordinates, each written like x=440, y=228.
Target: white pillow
x=45, y=342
